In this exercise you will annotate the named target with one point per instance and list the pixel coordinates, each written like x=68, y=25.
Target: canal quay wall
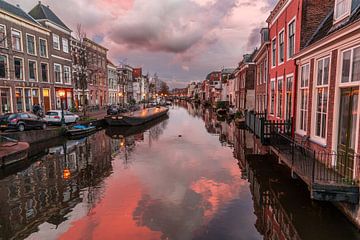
x=35, y=136
x=254, y=150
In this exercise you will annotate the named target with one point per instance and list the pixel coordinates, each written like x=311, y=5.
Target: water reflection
x=178, y=179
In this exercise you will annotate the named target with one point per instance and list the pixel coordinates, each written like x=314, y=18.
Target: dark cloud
x=253, y=39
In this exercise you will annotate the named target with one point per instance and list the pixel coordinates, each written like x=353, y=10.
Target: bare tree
x=85, y=71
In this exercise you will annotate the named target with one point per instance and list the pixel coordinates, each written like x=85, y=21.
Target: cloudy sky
x=180, y=40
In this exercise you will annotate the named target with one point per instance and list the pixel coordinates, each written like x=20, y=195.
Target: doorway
x=347, y=131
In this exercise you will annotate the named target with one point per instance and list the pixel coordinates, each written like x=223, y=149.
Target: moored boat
x=12, y=151
x=136, y=118
x=80, y=130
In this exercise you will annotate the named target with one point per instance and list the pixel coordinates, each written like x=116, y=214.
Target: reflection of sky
x=178, y=187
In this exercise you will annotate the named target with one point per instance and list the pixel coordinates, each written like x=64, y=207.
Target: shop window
x=19, y=94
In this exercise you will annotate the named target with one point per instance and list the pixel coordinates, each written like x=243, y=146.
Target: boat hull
x=137, y=118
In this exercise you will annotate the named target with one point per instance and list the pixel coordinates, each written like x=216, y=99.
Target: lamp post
x=62, y=95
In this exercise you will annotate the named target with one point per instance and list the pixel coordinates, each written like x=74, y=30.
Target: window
x=281, y=47
x=304, y=95
x=323, y=69
x=289, y=90
x=16, y=40
x=32, y=71
x=265, y=71
x=43, y=47
x=44, y=72
x=57, y=73
x=342, y=9
x=30, y=44
x=279, y=97
x=27, y=99
x=3, y=41
x=273, y=48
x=272, y=97
x=67, y=75
x=19, y=94
x=65, y=44
x=19, y=68
x=291, y=40
x=56, y=42
x=351, y=65
x=3, y=66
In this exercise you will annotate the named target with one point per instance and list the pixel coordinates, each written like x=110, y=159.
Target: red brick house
x=245, y=78
x=261, y=60
x=329, y=75
x=291, y=24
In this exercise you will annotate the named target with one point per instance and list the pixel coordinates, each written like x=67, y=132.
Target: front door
x=347, y=131
x=46, y=97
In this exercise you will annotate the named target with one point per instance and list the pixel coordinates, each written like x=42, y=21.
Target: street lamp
x=62, y=95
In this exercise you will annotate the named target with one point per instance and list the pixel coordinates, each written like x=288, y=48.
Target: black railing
x=317, y=167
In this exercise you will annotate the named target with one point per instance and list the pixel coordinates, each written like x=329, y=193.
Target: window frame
x=273, y=52
x=345, y=14
x=61, y=74
x=21, y=40
x=272, y=97
x=23, y=68
x=67, y=67
x=303, y=89
x=350, y=82
x=281, y=33
x=27, y=46
x=5, y=36
x=292, y=21
x=286, y=95
x=63, y=45
x=46, y=45
x=47, y=70
x=53, y=40
x=279, y=97
x=7, y=67
x=36, y=71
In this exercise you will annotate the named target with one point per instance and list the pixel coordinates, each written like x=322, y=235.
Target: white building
x=113, y=83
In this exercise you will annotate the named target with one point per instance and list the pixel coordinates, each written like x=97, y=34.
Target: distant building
x=113, y=84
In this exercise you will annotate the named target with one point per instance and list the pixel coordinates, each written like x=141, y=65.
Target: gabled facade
x=59, y=53
x=291, y=24
x=261, y=60
x=113, y=84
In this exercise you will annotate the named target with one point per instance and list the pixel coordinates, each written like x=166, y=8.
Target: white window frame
x=48, y=72
x=69, y=68
x=280, y=79
x=27, y=46
x=5, y=36
x=285, y=96
x=47, y=49
x=273, y=53
x=65, y=40
x=23, y=68
x=61, y=74
x=350, y=82
x=319, y=139
x=21, y=40
x=54, y=36
x=36, y=71
x=289, y=57
x=7, y=73
x=300, y=90
x=272, y=104
x=345, y=14
x=282, y=31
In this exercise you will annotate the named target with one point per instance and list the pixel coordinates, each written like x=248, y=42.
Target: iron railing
x=317, y=167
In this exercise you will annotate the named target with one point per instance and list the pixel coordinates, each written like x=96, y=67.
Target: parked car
x=21, y=122
x=112, y=110
x=54, y=117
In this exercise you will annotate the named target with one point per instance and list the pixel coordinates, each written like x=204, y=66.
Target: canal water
x=184, y=178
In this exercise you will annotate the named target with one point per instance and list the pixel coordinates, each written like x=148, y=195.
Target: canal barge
x=136, y=118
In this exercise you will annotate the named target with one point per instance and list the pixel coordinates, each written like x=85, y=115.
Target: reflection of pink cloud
x=103, y=222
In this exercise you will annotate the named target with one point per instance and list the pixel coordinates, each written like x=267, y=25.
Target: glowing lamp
x=61, y=93
x=66, y=174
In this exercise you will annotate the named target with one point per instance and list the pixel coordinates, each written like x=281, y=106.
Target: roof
x=228, y=70
x=327, y=27
x=17, y=11
x=40, y=12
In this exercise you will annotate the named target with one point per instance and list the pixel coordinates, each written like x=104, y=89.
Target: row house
x=231, y=89
x=97, y=73
x=261, y=60
x=226, y=74
x=214, y=87
x=35, y=60
x=113, y=83
x=291, y=24
x=245, y=75
x=137, y=82
x=329, y=82
x=126, y=78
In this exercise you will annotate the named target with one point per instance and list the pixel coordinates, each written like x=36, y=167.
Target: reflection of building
x=48, y=189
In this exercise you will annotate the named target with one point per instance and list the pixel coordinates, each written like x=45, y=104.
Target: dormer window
x=342, y=9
